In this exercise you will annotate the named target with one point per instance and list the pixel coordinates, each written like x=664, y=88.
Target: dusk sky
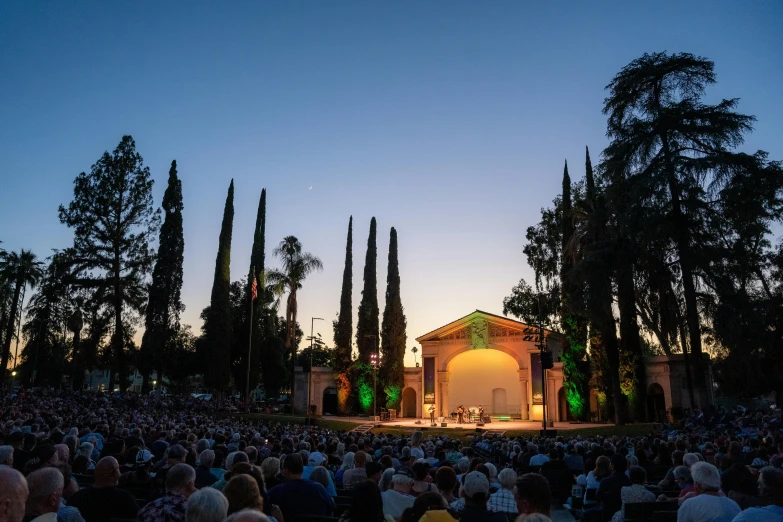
x=447, y=120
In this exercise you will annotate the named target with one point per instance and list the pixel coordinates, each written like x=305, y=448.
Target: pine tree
x=393, y=336
x=114, y=220
x=343, y=327
x=367, y=325
x=218, y=321
x=165, y=302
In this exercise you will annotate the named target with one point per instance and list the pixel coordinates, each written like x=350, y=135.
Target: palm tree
x=18, y=270
x=297, y=265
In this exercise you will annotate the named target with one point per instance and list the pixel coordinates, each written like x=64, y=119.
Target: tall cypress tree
x=393, y=336
x=165, y=301
x=367, y=326
x=218, y=321
x=343, y=327
x=255, y=271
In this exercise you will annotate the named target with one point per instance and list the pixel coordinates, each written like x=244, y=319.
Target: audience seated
x=103, y=499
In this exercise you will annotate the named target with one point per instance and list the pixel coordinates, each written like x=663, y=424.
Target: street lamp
x=310, y=373
x=13, y=380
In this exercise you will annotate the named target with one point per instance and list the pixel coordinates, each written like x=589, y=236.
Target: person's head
x=771, y=485
x=619, y=463
x=424, y=503
x=637, y=475
x=206, y=505
x=6, y=455
x=420, y=470
x=682, y=476
x=533, y=495
x=416, y=438
x=507, y=477
x=13, y=495
x=242, y=493
x=533, y=517
x=475, y=488
x=320, y=475
x=374, y=471
x=360, y=459
x=270, y=468
x=181, y=478
x=46, y=489
x=402, y=483
x=705, y=477
x=445, y=479
x=603, y=466
x=386, y=479
x=207, y=458
x=63, y=452
x=366, y=502
x=202, y=445
x=463, y=464
x=292, y=466
x=247, y=515
x=107, y=472
x=689, y=459
x=348, y=460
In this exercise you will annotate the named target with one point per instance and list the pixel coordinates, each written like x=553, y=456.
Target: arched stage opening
x=656, y=403
x=485, y=377
x=329, y=401
x=408, y=405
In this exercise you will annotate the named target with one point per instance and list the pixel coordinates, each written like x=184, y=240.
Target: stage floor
x=492, y=426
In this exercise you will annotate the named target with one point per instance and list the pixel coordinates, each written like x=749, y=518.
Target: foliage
x=165, y=292
x=393, y=335
x=218, y=322
x=367, y=326
x=343, y=326
x=113, y=219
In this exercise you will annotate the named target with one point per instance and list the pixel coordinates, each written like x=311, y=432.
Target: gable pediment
x=480, y=329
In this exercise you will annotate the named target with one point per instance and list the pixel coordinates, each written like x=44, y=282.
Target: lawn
x=629, y=430
x=296, y=419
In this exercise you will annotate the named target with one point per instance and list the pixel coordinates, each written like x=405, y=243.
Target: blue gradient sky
x=448, y=120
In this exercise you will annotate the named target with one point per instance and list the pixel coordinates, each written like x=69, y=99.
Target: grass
x=629, y=430
x=298, y=419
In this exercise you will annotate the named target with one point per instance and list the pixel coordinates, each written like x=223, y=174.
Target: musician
x=481, y=413
x=461, y=414
x=432, y=414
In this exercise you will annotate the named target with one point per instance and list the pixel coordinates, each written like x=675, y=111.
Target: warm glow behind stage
x=485, y=377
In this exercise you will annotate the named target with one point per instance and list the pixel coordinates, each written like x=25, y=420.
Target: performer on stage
x=461, y=414
x=432, y=415
x=481, y=413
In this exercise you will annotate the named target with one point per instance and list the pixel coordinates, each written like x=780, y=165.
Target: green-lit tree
x=165, y=293
x=113, y=219
x=393, y=334
x=367, y=326
x=218, y=321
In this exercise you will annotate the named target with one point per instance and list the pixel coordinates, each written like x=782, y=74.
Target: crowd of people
x=94, y=457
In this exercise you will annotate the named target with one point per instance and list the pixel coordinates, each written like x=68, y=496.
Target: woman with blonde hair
x=270, y=468
x=242, y=493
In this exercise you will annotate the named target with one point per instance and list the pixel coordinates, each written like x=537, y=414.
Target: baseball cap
x=143, y=456
x=42, y=454
x=476, y=482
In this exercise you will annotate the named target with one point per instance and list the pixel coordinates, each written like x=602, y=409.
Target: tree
x=113, y=220
x=573, y=351
x=343, y=327
x=165, y=293
x=255, y=330
x=217, y=326
x=296, y=266
x=671, y=145
x=367, y=326
x=393, y=336
x=19, y=270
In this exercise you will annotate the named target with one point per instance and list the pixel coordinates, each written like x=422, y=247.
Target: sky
x=447, y=120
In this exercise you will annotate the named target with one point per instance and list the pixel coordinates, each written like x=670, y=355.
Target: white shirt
x=761, y=514
x=394, y=502
x=417, y=452
x=708, y=508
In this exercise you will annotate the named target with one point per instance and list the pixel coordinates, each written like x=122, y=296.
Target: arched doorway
x=409, y=402
x=329, y=401
x=564, y=414
x=499, y=401
x=656, y=403
x=488, y=378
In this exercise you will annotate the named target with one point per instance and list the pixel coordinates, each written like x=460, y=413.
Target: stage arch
x=656, y=403
x=484, y=377
x=408, y=405
x=329, y=404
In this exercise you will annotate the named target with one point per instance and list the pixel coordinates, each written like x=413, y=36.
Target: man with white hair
x=248, y=515
x=46, y=490
x=180, y=485
x=13, y=495
x=204, y=475
x=503, y=500
x=7, y=456
x=709, y=505
x=397, y=499
x=206, y=505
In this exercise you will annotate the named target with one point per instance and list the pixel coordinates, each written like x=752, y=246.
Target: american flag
x=254, y=288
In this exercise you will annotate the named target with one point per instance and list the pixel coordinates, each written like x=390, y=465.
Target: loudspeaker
x=547, y=433
x=479, y=424
x=443, y=424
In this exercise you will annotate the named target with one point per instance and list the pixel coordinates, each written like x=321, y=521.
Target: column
x=523, y=398
x=443, y=379
x=551, y=401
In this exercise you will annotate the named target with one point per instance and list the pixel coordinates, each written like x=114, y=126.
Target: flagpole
x=249, y=342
